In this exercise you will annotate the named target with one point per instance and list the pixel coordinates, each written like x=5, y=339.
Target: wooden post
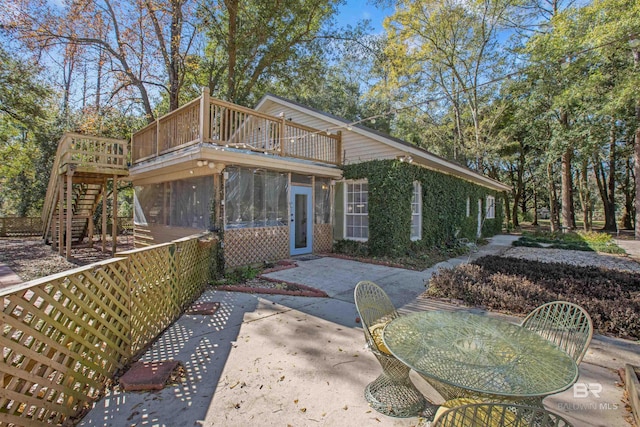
x=104, y=215
x=283, y=139
x=114, y=216
x=205, y=116
x=90, y=231
x=69, y=213
x=60, y=215
x=339, y=149
x=217, y=195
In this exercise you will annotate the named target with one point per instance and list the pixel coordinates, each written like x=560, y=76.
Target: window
x=491, y=207
x=416, y=212
x=468, y=207
x=323, y=205
x=181, y=203
x=357, y=210
x=255, y=198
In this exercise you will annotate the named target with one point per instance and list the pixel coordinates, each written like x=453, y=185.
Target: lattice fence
x=322, y=238
x=20, y=227
x=252, y=245
x=64, y=336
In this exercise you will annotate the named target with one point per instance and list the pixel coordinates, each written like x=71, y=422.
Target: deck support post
x=60, y=214
x=205, y=116
x=114, y=216
x=104, y=215
x=69, y=213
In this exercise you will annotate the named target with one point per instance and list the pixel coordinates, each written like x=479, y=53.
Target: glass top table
x=480, y=354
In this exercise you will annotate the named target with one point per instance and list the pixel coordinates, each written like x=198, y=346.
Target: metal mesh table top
x=480, y=354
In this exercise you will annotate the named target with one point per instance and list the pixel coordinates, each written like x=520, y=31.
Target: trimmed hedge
x=516, y=286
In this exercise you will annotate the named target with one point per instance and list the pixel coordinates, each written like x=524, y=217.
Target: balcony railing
x=209, y=120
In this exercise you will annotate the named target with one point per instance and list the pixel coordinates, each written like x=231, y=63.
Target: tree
x=25, y=125
x=254, y=45
x=146, y=42
x=449, y=51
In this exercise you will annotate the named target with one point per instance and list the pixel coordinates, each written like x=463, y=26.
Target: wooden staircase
x=79, y=179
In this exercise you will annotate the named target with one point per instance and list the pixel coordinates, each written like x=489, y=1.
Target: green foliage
x=444, y=199
x=253, y=46
x=238, y=275
x=26, y=125
x=351, y=247
x=518, y=286
x=579, y=241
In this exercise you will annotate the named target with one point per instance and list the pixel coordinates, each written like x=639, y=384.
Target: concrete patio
x=297, y=361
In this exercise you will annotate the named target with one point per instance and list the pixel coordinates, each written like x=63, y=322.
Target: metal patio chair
x=497, y=415
x=565, y=324
x=392, y=393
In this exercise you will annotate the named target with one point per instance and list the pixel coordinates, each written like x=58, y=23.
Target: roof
x=429, y=159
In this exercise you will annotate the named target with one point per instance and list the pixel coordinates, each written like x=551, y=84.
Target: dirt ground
x=30, y=258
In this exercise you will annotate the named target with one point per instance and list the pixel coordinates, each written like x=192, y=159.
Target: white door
x=300, y=227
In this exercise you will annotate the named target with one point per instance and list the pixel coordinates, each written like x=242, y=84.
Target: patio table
x=469, y=355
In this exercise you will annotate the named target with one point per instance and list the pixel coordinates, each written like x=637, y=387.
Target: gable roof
x=422, y=156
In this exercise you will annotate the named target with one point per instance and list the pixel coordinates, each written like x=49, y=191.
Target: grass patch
x=516, y=286
x=417, y=258
x=576, y=241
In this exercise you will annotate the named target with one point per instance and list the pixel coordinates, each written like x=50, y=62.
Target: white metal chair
x=565, y=324
x=392, y=393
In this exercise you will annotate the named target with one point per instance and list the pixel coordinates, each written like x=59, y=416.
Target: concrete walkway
x=7, y=276
x=296, y=361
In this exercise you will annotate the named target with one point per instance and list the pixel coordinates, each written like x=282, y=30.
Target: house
x=284, y=179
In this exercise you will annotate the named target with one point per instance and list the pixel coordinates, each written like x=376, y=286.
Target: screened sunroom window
x=180, y=203
x=416, y=212
x=357, y=210
x=255, y=198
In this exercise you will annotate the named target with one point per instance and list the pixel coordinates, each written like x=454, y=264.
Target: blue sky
x=357, y=10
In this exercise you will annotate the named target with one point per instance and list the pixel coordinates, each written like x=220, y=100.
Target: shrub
x=516, y=286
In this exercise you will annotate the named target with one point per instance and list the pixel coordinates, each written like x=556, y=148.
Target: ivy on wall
x=444, y=206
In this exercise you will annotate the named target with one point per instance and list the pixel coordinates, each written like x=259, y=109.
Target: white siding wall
x=355, y=147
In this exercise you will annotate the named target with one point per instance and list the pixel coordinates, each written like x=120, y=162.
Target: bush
x=516, y=286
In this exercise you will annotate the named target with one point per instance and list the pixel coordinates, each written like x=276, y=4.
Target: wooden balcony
x=212, y=121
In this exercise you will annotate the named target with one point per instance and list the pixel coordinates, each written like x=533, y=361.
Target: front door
x=300, y=231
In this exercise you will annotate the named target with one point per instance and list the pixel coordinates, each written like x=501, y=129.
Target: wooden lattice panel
x=153, y=276
x=322, y=238
x=252, y=245
x=62, y=338
x=20, y=227
x=194, y=259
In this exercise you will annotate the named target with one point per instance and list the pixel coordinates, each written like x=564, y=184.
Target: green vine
x=444, y=206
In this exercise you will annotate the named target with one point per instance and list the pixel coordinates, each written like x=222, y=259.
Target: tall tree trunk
x=627, y=214
x=232, y=9
x=553, y=200
x=566, y=178
x=636, y=151
x=566, y=184
x=507, y=210
x=583, y=193
x=610, y=202
x=99, y=79
x=175, y=60
x=535, y=204
x=636, y=170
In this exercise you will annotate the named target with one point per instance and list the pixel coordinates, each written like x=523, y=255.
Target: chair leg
x=395, y=396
